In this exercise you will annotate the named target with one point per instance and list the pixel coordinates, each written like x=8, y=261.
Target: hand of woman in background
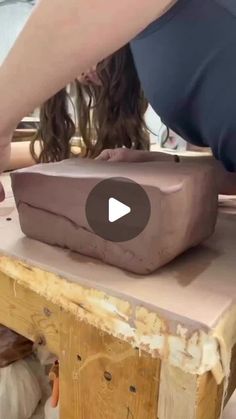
x=133, y=156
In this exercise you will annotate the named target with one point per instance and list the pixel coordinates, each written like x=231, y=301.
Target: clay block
x=51, y=201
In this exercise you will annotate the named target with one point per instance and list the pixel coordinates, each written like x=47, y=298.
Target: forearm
x=20, y=155
x=5, y=150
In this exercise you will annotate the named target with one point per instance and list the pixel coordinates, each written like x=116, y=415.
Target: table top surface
x=198, y=286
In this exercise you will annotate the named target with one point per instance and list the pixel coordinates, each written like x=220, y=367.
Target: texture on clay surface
x=51, y=200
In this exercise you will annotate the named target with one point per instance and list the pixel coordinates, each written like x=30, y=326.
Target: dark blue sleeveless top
x=186, y=61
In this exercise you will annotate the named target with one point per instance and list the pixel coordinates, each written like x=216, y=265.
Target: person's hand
x=133, y=156
x=124, y=155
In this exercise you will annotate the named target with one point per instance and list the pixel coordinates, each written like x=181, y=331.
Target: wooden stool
x=161, y=346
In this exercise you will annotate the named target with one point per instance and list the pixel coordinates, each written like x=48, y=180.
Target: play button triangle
x=117, y=210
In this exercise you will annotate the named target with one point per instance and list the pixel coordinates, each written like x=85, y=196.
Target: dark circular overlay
x=128, y=193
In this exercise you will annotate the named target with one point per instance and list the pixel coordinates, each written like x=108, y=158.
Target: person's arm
x=20, y=156
x=61, y=40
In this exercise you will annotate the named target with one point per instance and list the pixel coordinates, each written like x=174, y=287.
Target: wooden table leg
x=186, y=396
x=28, y=313
x=102, y=377
x=232, y=378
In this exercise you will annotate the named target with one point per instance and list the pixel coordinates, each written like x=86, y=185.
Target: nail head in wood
x=107, y=376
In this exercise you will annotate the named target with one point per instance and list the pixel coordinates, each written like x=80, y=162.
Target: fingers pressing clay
x=105, y=155
x=120, y=155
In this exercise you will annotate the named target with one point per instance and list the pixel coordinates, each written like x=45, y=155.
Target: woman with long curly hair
x=109, y=106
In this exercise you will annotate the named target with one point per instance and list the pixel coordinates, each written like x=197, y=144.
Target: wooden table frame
x=101, y=376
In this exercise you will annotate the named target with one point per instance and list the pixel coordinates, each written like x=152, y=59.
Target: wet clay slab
x=51, y=201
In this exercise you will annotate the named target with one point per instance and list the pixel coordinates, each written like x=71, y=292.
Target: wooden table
x=130, y=347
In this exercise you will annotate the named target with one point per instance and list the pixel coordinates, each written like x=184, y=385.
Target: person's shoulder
x=175, y=7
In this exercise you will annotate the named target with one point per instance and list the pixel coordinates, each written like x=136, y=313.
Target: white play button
x=117, y=210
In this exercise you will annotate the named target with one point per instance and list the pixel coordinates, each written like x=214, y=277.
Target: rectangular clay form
x=51, y=200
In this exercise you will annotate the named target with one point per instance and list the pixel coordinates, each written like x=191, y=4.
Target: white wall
x=13, y=15
x=154, y=124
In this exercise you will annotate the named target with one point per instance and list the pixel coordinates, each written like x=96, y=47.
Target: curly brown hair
x=110, y=114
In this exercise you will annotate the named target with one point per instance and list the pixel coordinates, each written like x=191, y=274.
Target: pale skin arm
x=20, y=155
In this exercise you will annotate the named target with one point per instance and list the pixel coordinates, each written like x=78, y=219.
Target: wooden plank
x=188, y=396
x=209, y=398
x=232, y=378
x=109, y=380
x=87, y=358
x=114, y=377
x=177, y=397
x=28, y=313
